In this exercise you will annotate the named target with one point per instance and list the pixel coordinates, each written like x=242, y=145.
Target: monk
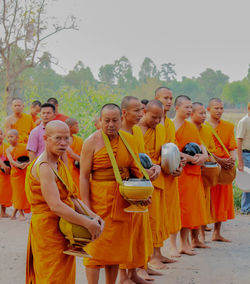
x=154, y=138
x=132, y=112
x=74, y=151
x=198, y=118
x=17, y=176
x=5, y=186
x=101, y=193
x=20, y=121
x=52, y=197
x=58, y=116
x=192, y=199
x=222, y=195
x=97, y=123
x=35, y=109
x=165, y=96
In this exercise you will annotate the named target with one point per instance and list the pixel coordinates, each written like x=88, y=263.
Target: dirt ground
x=224, y=263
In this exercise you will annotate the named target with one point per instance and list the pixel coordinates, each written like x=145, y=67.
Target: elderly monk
x=222, y=195
x=192, y=199
x=132, y=112
x=101, y=193
x=58, y=116
x=20, y=121
x=74, y=151
x=36, y=144
x=5, y=185
x=17, y=175
x=164, y=95
x=154, y=138
x=51, y=193
x=97, y=122
x=198, y=118
x=35, y=109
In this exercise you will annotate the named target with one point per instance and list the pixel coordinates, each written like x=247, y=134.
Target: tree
x=107, y=74
x=24, y=26
x=167, y=72
x=236, y=93
x=148, y=70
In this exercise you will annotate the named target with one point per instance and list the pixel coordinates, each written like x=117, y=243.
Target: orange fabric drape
x=24, y=125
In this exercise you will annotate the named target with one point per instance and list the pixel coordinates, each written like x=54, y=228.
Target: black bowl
x=77, y=164
x=23, y=159
x=192, y=149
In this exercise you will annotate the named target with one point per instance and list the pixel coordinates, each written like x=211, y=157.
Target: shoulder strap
x=217, y=137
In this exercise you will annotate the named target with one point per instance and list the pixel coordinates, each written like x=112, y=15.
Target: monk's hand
x=154, y=172
x=22, y=166
x=229, y=163
x=177, y=172
x=6, y=169
x=95, y=228
x=183, y=162
x=146, y=202
x=200, y=159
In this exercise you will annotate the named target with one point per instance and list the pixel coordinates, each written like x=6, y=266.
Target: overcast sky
x=192, y=34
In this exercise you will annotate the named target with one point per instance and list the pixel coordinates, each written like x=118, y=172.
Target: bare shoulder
x=93, y=140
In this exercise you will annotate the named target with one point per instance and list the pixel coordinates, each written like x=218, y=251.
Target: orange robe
x=5, y=185
x=140, y=223
x=154, y=139
x=192, y=199
x=76, y=146
x=207, y=140
x=172, y=192
x=61, y=117
x=115, y=245
x=17, y=178
x=222, y=195
x=46, y=262
x=24, y=125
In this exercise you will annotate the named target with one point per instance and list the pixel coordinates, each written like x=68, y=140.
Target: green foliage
x=148, y=70
x=237, y=92
x=237, y=196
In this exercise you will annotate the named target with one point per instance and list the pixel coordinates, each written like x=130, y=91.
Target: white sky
x=193, y=34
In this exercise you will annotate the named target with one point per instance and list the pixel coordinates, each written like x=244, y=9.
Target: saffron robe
x=61, y=117
x=172, y=191
x=192, y=198
x=24, y=125
x=222, y=195
x=17, y=179
x=46, y=262
x=153, y=140
x=142, y=242
x=76, y=146
x=5, y=185
x=115, y=245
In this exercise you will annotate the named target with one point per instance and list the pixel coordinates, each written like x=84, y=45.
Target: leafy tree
x=148, y=70
x=167, y=72
x=107, y=74
x=147, y=90
x=237, y=92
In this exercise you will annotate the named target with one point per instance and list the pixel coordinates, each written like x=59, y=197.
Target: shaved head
x=12, y=132
x=111, y=106
x=126, y=101
x=214, y=100
x=180, y=99
x=196, y=105
x=154, y=103
x=158, y=91
x=71, y=121
x=54, y=126
x=17, y=99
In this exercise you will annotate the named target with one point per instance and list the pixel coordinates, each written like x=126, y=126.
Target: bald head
x=55, y=126
x=180, y=99
x=154, y=104
x=126, y=101
x=161, y=90
x=153, y=113
x=71, y=121
x=12, y=132
x=196, y=105
x=214, y=101
x=112, y=107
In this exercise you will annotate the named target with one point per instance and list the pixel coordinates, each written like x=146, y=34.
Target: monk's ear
x=124, y=111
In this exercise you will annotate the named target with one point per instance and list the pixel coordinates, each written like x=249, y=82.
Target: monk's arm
x=86, y=159
x=73, y=155
x=11, y=160
x=32, y=155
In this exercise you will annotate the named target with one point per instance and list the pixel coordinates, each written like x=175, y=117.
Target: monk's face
x=133, y=113
x=198, y=115
x=216, y=110
x=153, y=116
x=17, y=106
x=166, y=98
x=1, y=136
x=12, y=138
x=35, y=110
x=185, y=109
x=111, y=121
x=74, y=129
x=57, y=140
x=47, y=114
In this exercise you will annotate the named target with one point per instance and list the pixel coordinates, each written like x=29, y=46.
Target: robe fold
x=115, y=245
x=76, y=146
x=46, y=263
x=172, y=191
x=207, y=139
x=17, y=179
x=5, y=185
x=24, y=125
x=192, y=198
x=142, y=242
x=153, y=140
x=222, y=195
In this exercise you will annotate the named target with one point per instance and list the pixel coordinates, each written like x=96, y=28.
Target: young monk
x=198, y=118
x=5, y=186
x=35, y=109
x=58, y=116
x=154, y=138
x=132, y=113
x=52, y=197
x=17, y=176
x=222, y=195
x=165, y=96
x=101, y=193
x=20, y=121
x=74, y=151
x=192, y=199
